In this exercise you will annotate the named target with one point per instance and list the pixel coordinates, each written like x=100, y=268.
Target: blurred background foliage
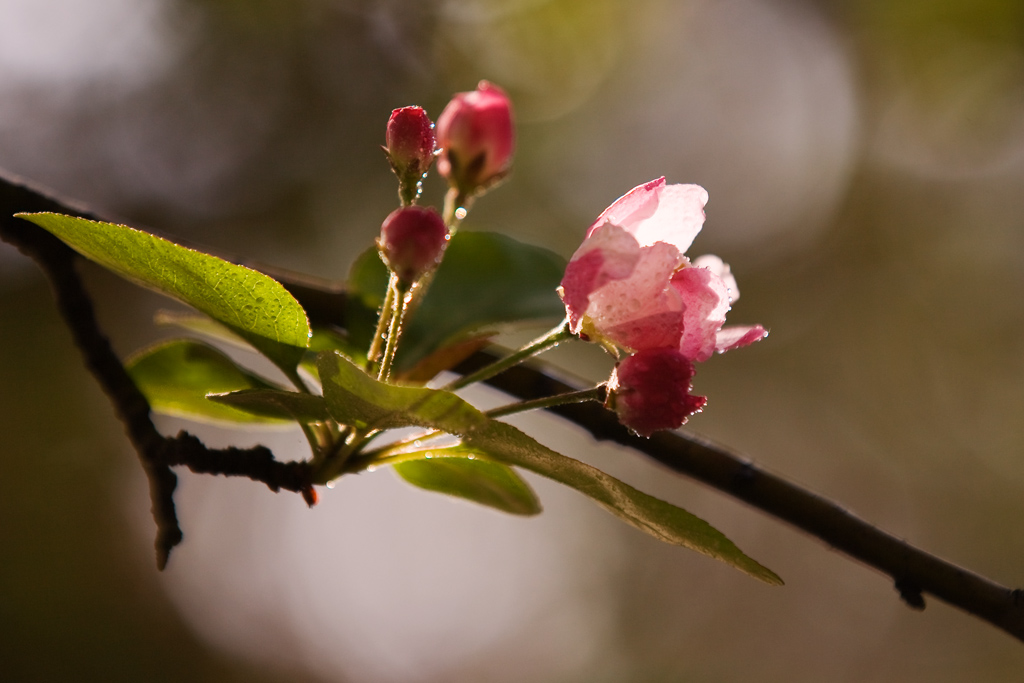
x=865, y=163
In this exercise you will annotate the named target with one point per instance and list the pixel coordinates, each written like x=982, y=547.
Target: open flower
x=631, y=286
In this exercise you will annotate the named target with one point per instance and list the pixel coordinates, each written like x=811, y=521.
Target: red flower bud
x=412, y=241
x=650, y=390
x=410, y=139
x=410, y=149
x=476, y=138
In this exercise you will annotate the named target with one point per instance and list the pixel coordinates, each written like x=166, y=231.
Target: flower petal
x=706, y=301
x=735, y=336
x=643, y=310
x=722, y=270
x=609, y=254
x=636, y=205
x=677, y=220
x=656, y=212
x=476, y=136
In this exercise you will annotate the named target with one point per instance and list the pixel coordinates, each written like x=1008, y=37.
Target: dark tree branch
x=156, y=452
x=913, y=571
x=256, y=463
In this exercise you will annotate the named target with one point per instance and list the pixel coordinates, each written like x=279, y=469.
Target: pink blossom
x=630, y=283
x=476, y=137
x=656, y=212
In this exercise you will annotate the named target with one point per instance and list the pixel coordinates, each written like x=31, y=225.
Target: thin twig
x=598, y=394
x=546, y=341
x=156, y=452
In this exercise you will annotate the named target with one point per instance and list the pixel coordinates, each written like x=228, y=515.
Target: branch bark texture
x=156, y=452
x=913, y=571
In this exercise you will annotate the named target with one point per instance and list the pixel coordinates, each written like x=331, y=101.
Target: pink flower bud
x=476, y=138
x=410, y=140
x=650, y=390
x=412, y=241
x=410, y=149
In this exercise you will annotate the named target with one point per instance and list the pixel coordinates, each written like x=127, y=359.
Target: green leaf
x=662, y=520
x=275, y=403
x=485, y=280
x=467, y=474
x=320, y=340
x=329, y=340
x=176, y=376
x=354, y=396
x=256, y=307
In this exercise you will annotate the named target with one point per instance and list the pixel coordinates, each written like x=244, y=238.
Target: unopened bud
x=650, y=390
x=410, y=149
x=412, y=241
x=476, y=137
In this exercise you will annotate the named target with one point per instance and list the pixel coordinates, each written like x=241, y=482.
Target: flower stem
x=314, y=438
x=333, y=462
x=296, y=380
x=383, y=322
x=456, y=206
x=318, y=435
x=549, y=340
x=598, y=393
x=400, y=301
x=386, y=458
x=382, y=455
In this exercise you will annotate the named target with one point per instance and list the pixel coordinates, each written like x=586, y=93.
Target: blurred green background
x=865, y=163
